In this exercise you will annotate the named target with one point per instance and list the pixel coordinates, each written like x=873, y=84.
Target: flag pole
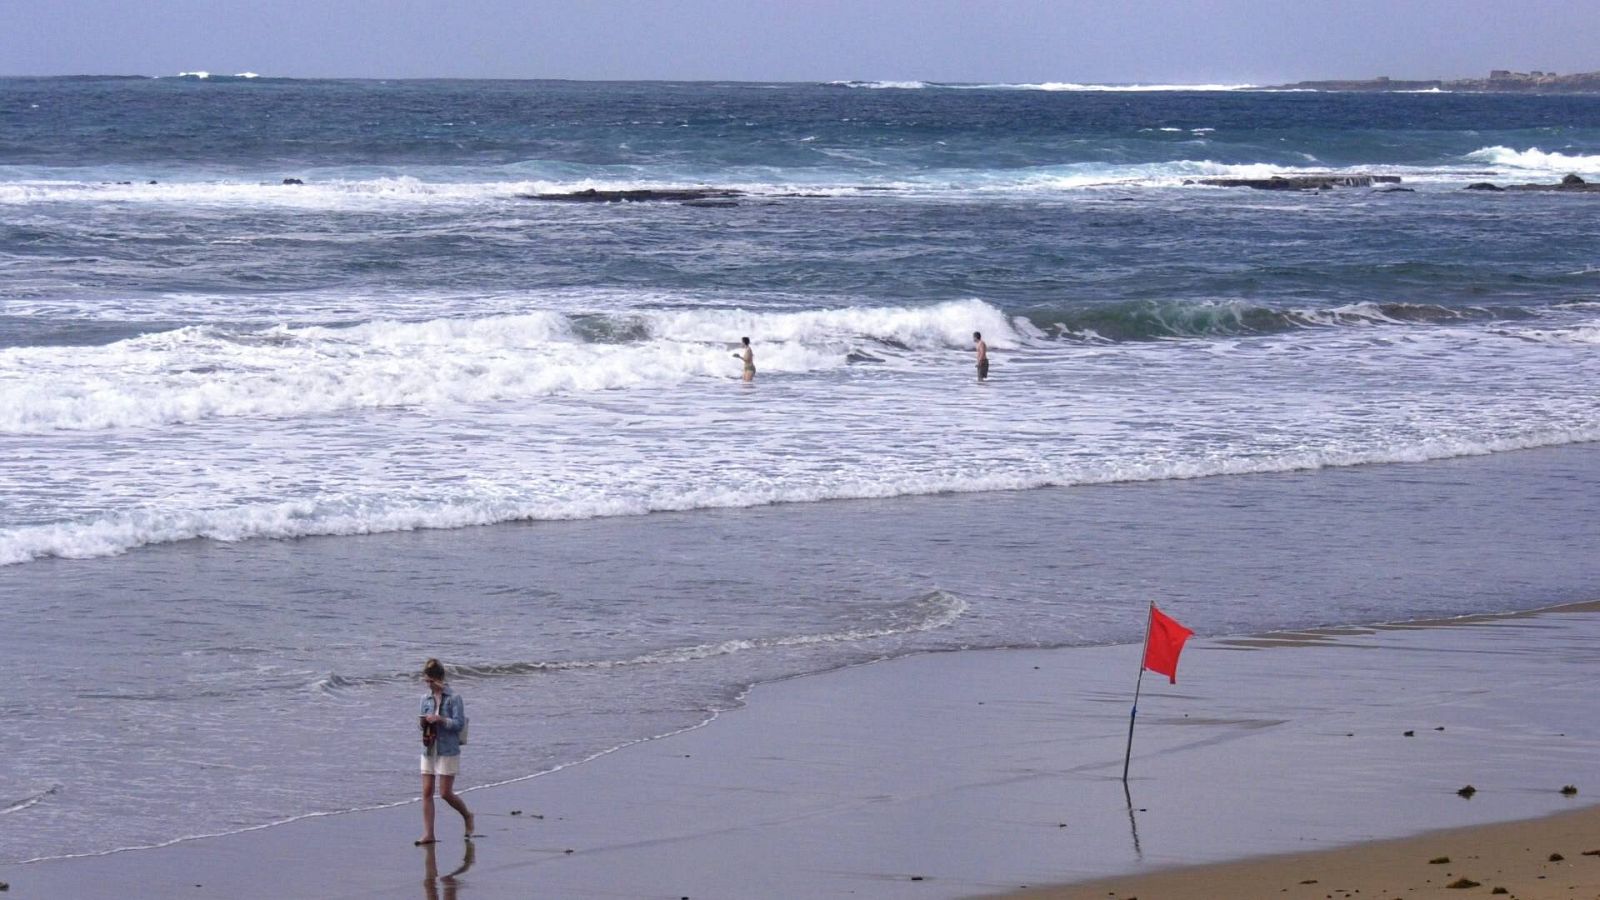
x=1134, y=713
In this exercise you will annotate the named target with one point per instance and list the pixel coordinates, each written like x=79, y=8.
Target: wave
x=1154, y=320
x=882, y=85
x=200, y=75
x=843, y=173
x=332, y=193
x=1580, y=334
x=935, y=610
x=1112, y=88
x=197, y=373
x=1038, y=86
x=1536, y=160
x=116, y=533
x=14, y=806
x=932, y=611
x=837, y=180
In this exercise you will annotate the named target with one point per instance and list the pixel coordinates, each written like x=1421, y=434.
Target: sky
x=1017, y=41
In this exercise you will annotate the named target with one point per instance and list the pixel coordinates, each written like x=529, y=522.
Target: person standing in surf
x=982, y=350
x=748, y=354
x=443, y=718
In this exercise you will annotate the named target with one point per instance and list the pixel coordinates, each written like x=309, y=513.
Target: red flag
x=1164, y=643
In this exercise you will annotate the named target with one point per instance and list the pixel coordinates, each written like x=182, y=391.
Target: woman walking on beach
x=443, y=717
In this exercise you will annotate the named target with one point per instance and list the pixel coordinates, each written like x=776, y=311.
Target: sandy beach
x=996, y=772
x=1532, y=860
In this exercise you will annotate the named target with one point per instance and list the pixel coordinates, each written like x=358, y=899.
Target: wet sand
x=1554, y=858
x=987, y=773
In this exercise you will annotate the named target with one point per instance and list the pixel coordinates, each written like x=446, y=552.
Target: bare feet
x=470, y=829
x=425, y=840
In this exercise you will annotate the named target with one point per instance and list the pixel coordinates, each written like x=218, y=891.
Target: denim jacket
x=447, y=732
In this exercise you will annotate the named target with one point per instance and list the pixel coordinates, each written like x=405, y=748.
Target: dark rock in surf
x=639, y=196
x=1301, y=182
x=1571, y=184
x=293, y=181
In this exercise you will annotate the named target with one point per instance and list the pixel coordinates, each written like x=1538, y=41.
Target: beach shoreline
x=982, y=773
x=289, y=411
x=1553, y=857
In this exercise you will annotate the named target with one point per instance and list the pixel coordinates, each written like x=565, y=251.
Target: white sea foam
x=1076, y=86
x=1582, y=334
x=116, y=533
x=882, y=85
x=1536, y=160
x=345, y=304
x=197, y=373
x=332, y=193
x=1038, y=86
x=1348, y=314
x=856, y=170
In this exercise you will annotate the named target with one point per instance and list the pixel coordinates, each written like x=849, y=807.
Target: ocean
x=299, y=386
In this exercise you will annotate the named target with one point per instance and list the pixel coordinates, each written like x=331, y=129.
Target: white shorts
x=441, y=765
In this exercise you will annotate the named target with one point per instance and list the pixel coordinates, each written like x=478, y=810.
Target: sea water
x=248, y=428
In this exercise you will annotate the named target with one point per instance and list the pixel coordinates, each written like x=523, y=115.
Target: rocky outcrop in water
x=1299, y=182
x=639, y=196
x=1572, y=184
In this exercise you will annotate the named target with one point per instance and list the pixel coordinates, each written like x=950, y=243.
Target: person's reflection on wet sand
x=430, y=872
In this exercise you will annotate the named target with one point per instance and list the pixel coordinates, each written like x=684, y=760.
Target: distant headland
x=1500, y=81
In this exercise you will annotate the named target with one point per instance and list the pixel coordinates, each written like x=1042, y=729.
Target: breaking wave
x=1154, y=320
x=881, y=85
x=117, y=533
x=197, y=373
x=1536, y=160
x=1037, y=86
x=203, y=372
x=1112, y=88
x=790, y=185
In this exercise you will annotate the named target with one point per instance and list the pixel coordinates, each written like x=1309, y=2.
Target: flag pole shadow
x=1133, y=823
